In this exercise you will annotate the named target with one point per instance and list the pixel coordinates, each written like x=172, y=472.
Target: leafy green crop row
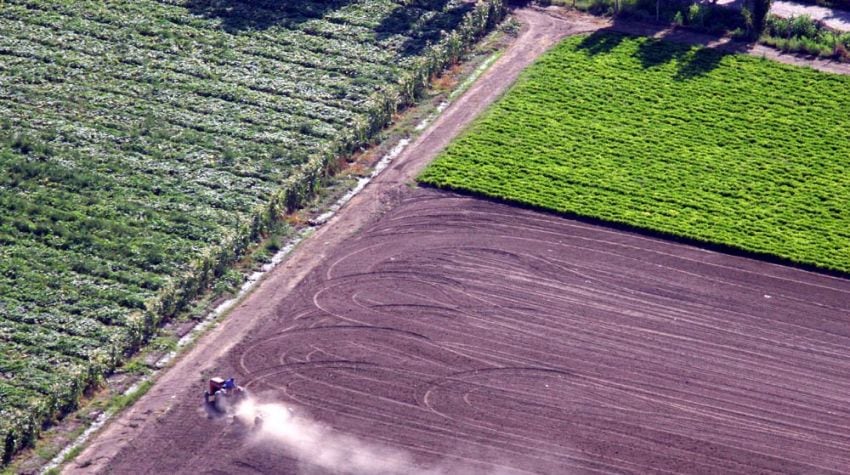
x=145, y=143
x=718, y=148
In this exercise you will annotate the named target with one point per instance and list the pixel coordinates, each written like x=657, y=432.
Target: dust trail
x=322, y=447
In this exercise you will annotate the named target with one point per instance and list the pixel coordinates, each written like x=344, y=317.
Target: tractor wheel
x=221, y=402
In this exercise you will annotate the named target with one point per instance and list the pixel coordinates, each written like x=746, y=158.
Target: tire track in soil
x=465, y=331
x=179, y=386
x=473, y=333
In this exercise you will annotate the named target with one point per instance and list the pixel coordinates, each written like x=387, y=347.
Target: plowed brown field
x=476, y=335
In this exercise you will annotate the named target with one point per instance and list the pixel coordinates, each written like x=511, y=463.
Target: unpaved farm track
x=180, y=384
x=482, y=336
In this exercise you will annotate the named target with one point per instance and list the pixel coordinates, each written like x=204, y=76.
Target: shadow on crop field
x=698, y=63
x=601, y=42
x=420, y=22
x=665, y=45
x=426, y=19
x=240, y=15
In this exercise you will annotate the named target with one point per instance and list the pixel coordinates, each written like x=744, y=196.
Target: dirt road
x=180, y=384
x=468, y=334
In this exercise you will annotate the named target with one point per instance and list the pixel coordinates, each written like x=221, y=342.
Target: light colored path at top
x=835, y=19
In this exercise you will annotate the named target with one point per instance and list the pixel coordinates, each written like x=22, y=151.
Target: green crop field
x=145, y=143
x=727, y=149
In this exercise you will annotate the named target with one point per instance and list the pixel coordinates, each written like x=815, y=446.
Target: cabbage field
x=145, y=143
x=685, y=141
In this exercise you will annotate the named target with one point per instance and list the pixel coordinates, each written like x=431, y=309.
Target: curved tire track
x=141, y=425
x=465, y=331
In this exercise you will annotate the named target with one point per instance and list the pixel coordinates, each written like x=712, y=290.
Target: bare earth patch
x=479, y=336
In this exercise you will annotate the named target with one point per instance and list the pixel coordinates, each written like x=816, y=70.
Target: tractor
x=223, y=394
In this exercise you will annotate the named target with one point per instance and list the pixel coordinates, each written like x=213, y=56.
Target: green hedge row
x=26, y=409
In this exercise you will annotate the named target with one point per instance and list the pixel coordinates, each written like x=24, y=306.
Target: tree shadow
x=656, y=52
x=242, y=15
x=422, y=22
x=698, y=63
x=417, y=23
x=665, y=45
x=601, y=41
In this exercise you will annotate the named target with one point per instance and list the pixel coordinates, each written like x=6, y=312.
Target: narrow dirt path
x=131, y=431
x=182, y=382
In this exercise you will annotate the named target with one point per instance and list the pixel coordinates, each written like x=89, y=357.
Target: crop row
x=690, y=142
x=144, y=144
